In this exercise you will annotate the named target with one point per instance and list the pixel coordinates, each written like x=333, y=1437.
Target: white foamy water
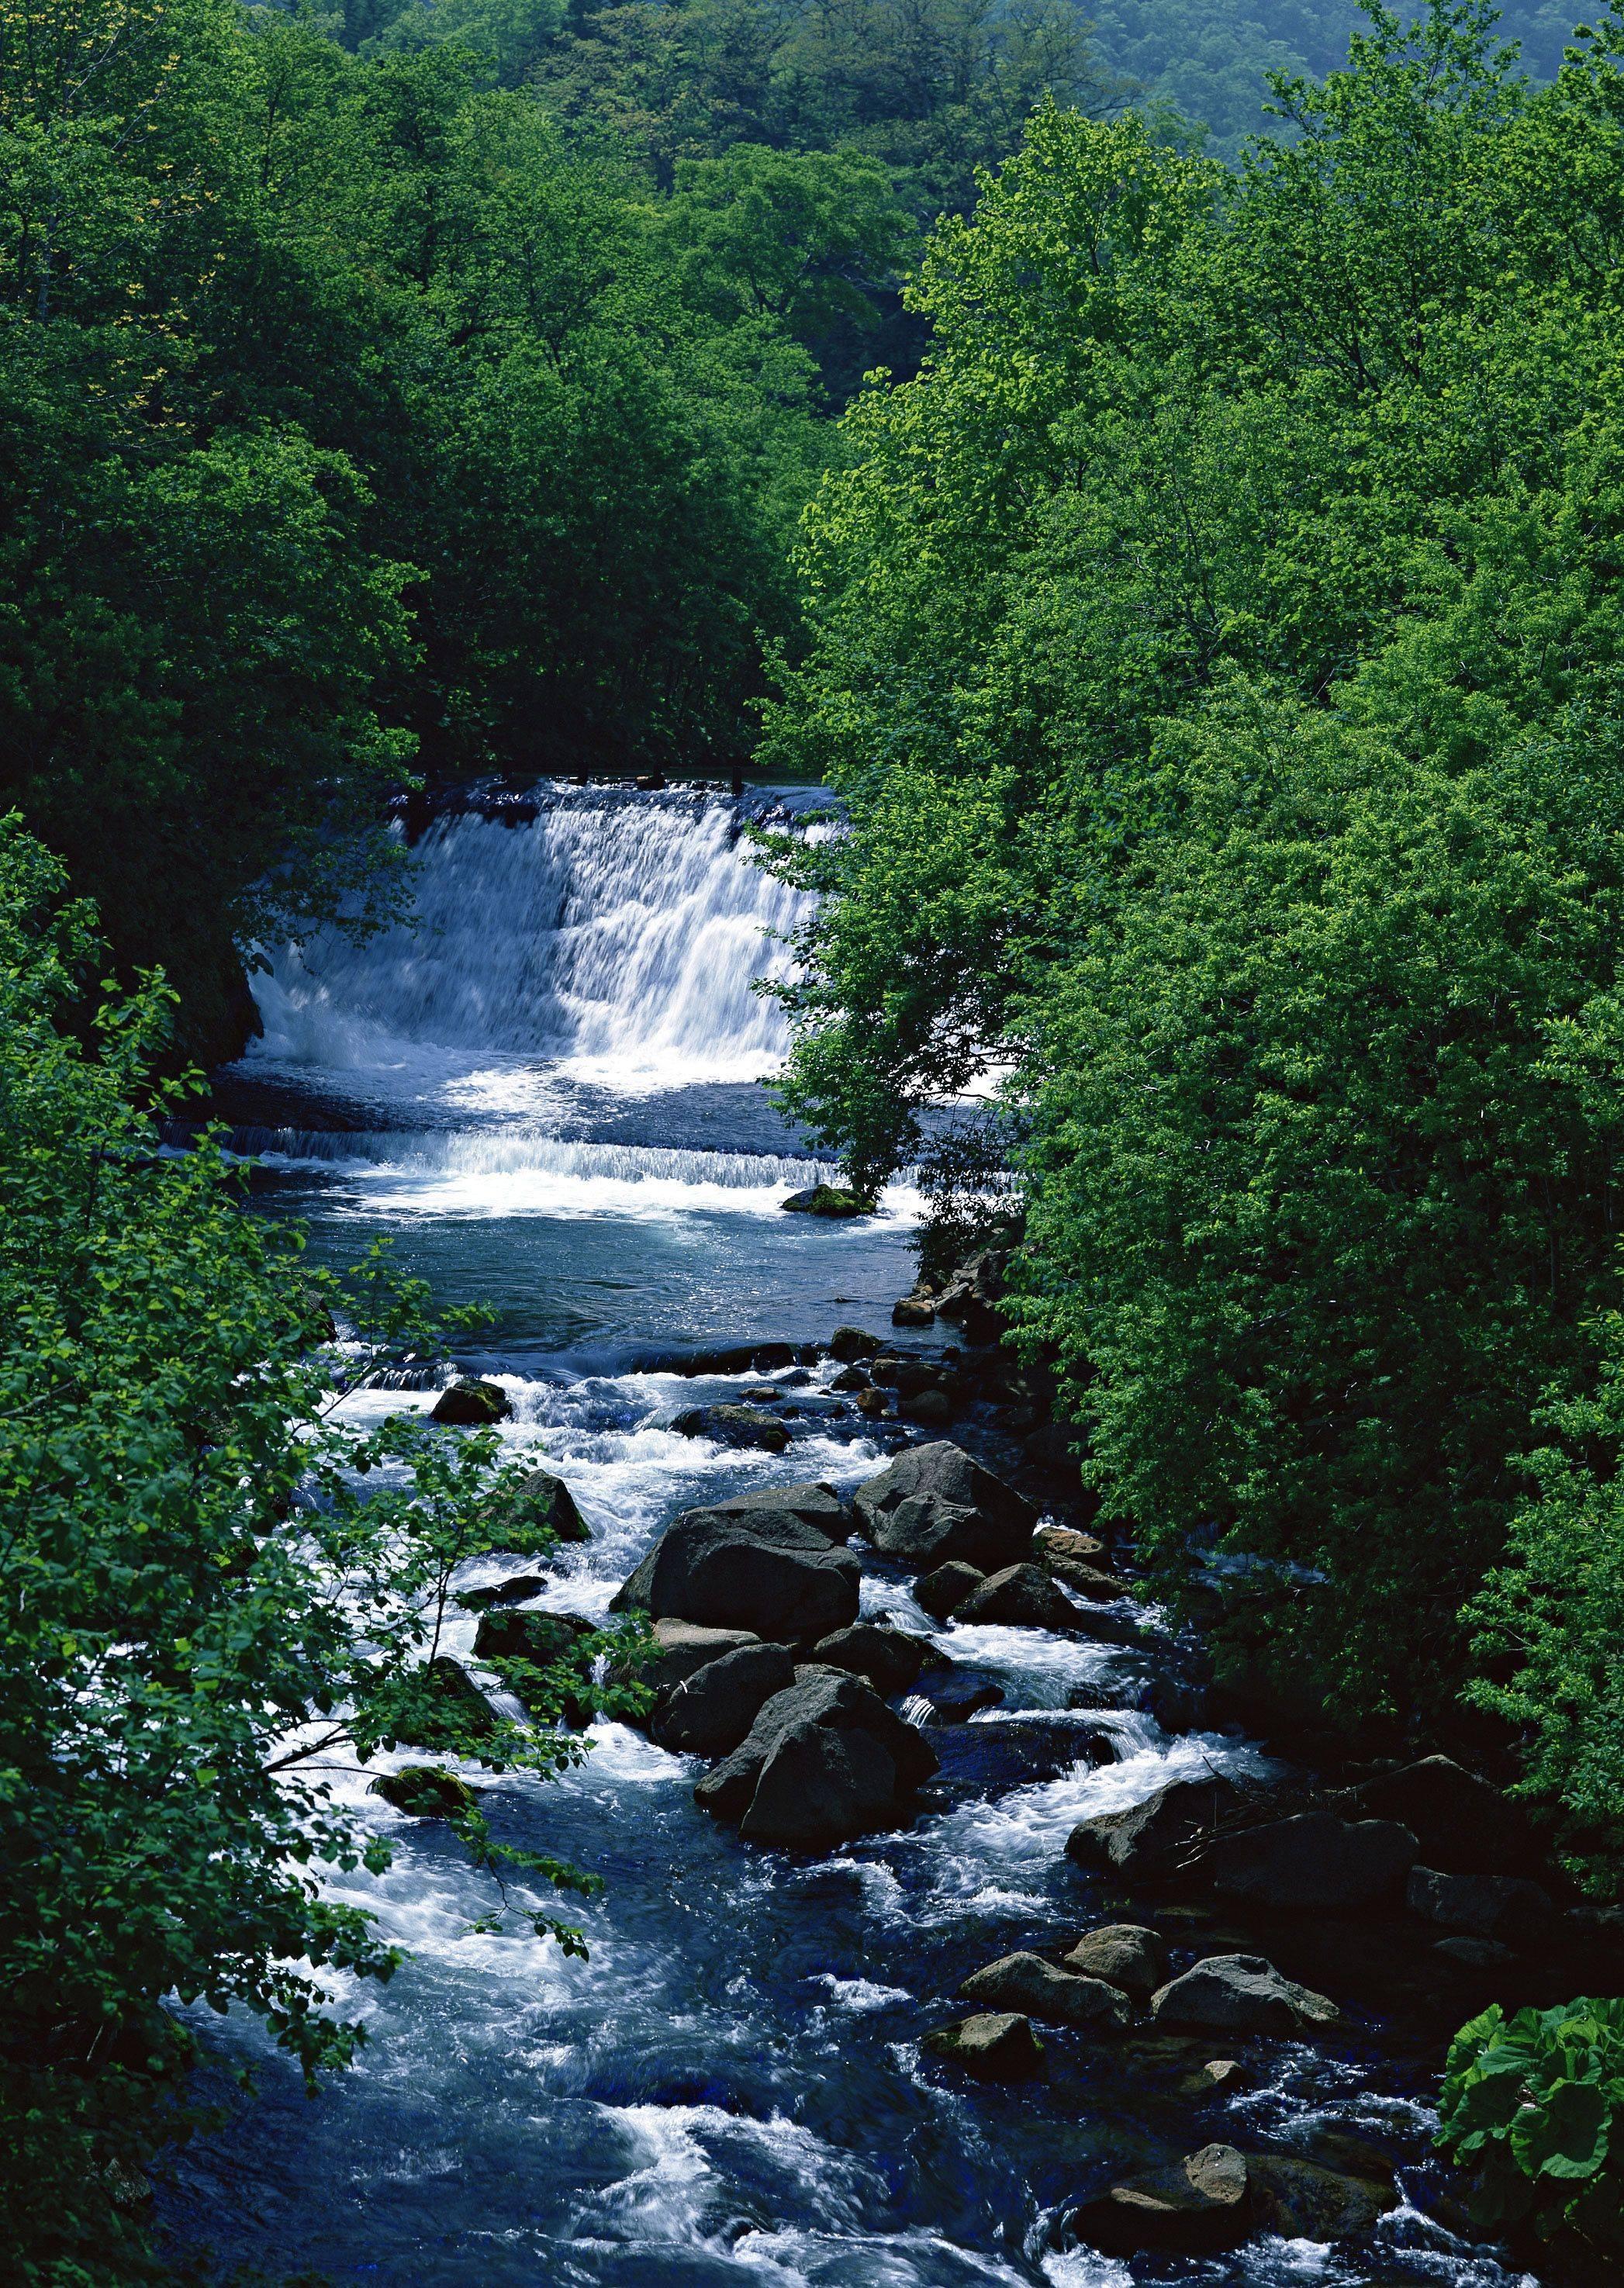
x=620, y=941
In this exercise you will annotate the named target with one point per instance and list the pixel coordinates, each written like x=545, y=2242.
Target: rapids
x=546, y=1091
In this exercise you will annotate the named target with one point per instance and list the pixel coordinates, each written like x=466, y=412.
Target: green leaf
x=1567, y=2134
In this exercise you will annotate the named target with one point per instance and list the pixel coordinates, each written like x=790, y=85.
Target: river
x=547, y=1092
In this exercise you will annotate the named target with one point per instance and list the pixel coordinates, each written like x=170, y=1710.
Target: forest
x=1164, y=472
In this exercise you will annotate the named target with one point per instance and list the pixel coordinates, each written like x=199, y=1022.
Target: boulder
x=1027, y=1983
x=828, y=1200
x=1216, y=2075
x=783, y=1786
x=467, y=1708
x=1301, y=2200
x=971, y=1295
x=680, y=1648
x=1199, y=2205
x=760, y=1393
x=471, y=1405
x=955, y=1697
x=907, y=1377
x=1314, y=1864
x=764, y=1572
x=813, y=1503
x=1019, y=1597
x=733, y=1426
x=996, y=2046
x=712, y=1710
x=930, y=1409
x=934, y=1504
x=891, y=1659
x=539, y=1502
x=848, y=1345
x=1239, y=1994
x=1020, y=1751
x=913, y=1311
x=539, y=1638
x=1051, y=1541
x=1153, y=1836
x=944, y=1590
x=425, y=1792
x=870, y=1404
x=1504, y=1908
x=1463, y=1824
x=1125, y=1955
x=1053, y=1446
x=1475, y=1953
x=1101, y=1588
x=849, y=1378
x=518, y=1590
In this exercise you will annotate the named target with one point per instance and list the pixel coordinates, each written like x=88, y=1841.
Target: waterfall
x=618, y=938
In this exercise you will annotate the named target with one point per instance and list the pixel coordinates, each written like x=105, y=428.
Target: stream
x=546, y=1092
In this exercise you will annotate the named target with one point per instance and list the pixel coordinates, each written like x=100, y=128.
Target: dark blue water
x=732, y=2090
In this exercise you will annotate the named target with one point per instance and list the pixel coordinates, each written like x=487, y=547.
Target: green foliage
x=1530, y=2103
x=216, y=1594
x=1218, y=649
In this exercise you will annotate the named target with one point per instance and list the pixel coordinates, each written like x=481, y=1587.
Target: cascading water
x=732, y=2089
x=620, y=938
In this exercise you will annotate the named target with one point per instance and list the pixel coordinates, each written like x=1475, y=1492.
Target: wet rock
x=850, y=1344
x=1126, y=1955
x=892, y=1660
x=1050, y=1541
x=1475, y=1953
x=1239, y=1994
x=425, y=1792
x=516, y=1590
x=1019, y=1597
x=913, y=1311
x=451, y=1686
x=942, y=1593
x=1027, y=1984
x=1216, y=2076
x=1153, y=1836
x=955, y=1697
x=930, y=1409
x=712, y=1711
x=539, y=1638
x=760, y=1393
x=1088, y=1581
x=649, y=782
x=471, y=1405
x=766, y=1572
x=1463, y=1826
x=1199, y=2205
x=1053, y=1446
x=786, y=1786
x=909, y=1378
x=935, y=1505
x=849, y=1378
x=871, y=1402
x=1302, y=2201
x=732, y=1425
x=1312, y=1863
x=971, y=1294
x=539, y=1502
x=996, y=2046
x=680, y=1650
x=1504, y=1908
x=828, y=1200
x=814, y=1504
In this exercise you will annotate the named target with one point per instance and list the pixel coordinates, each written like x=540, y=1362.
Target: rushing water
x=546, y=1093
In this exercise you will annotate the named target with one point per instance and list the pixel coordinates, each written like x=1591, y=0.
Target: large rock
x=1463, y=1826
x=541, y=1638
x=891, y=1659
x=471, y=1405
x=733, y=1426
x=1314, y=1864
x=929, y=1409
x=539, y=1502
x=1101, y=1588
x=848, y=1345
x=996, y=2046
x=1239, y=1994
x=1510, y=1910
x=785, y=1786
x=1153, y=1837
x=1027, y=1983
x=712, y=1711
x=913, y=1311
x=1301, y=2200
x=942, y=1593
x=812, y=1502
x=1019, y=1597
x=934, y=1504
x=1199, y=2205
x=971, y=1295
x=518, y=1590
x=679, y=1649
x=1125, y=1955
x=766, y=1572
x=425, y=1792
x=828, y=1200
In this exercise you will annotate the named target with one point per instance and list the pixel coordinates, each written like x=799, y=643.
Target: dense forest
x=1179, y=513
